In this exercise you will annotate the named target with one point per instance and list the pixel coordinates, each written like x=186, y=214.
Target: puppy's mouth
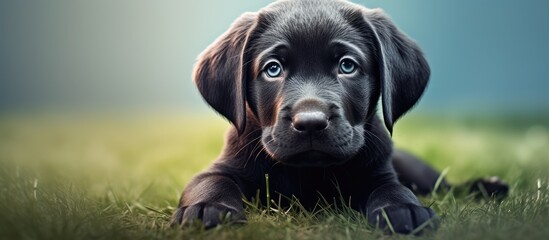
x=331, y=147
x=312, y=158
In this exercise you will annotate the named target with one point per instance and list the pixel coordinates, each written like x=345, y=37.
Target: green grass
x=120, y=178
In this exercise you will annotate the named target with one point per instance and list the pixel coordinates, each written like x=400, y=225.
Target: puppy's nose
x=310, y=121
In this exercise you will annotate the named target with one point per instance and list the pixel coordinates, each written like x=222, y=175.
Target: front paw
x=403, y=218
x=210, y=214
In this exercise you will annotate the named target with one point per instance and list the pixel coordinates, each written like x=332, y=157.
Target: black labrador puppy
x=300, y=81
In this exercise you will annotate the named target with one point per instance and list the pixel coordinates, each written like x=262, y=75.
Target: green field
x=85, y=177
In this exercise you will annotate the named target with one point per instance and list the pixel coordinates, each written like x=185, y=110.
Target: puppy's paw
x=209, y=214
x=492, y=187
x=403, y=218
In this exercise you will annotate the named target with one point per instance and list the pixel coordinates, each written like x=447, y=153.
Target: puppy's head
x=312, y=73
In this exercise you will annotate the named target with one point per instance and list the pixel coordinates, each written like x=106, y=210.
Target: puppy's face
x=311, y=72
x=313, y=82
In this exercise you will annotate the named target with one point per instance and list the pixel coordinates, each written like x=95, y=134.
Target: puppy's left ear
x=220, y=71
x=403, y=70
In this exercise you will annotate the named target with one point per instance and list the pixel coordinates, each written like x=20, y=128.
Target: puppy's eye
x=273, y=69
x=347, y=66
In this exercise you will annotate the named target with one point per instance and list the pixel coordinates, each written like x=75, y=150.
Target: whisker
x=247, y=144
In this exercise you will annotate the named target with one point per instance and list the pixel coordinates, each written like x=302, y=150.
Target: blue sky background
x=485, y=56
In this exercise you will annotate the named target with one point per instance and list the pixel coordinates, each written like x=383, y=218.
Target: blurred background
x=486, y=56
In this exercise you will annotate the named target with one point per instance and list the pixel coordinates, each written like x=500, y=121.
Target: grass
x=120, y=178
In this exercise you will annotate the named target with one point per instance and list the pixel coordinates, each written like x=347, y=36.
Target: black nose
x=310, y=121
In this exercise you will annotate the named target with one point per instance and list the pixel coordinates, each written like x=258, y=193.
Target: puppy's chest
x=309, y=186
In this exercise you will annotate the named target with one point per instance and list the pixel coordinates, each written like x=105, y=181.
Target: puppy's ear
x=220, y=71
x=404, y=72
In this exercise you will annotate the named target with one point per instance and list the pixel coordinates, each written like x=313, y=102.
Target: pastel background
x=486, y=56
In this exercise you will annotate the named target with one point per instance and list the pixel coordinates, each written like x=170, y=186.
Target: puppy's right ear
x=220, y=71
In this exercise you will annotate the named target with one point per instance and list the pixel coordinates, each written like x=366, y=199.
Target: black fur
x=313, y=129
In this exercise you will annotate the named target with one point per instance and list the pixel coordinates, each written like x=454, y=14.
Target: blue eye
x=273, y=69
x=347, y=66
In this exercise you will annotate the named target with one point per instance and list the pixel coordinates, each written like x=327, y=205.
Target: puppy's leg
x=397, y=204
x=212, y=199
x=415, y=174
x=488, y=188
x=421, y=178
x=392, y=206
